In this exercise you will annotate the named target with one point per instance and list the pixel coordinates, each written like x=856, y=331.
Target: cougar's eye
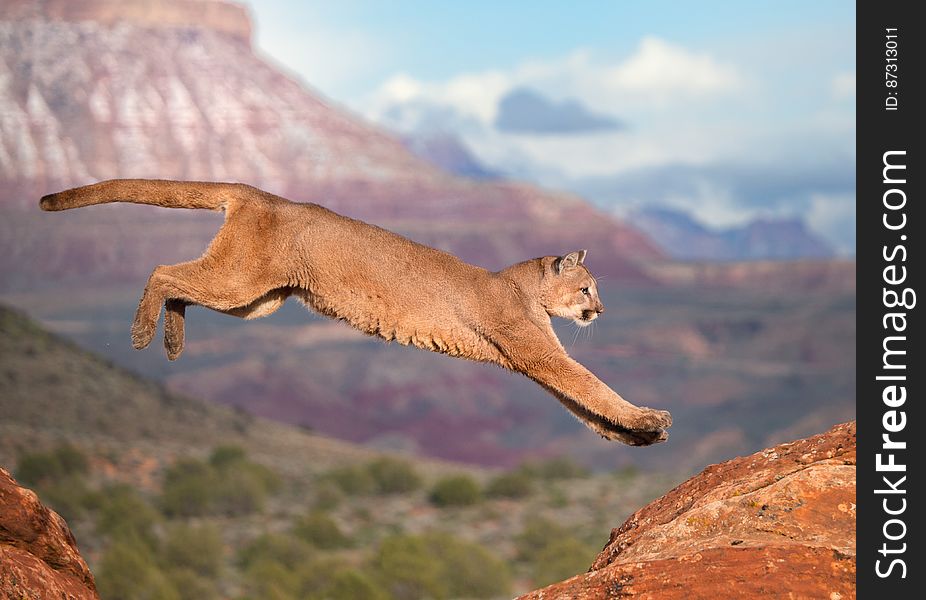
x=584, y=291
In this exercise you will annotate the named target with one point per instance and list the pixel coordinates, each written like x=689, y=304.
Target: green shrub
x=438, y=565
x=189, y=489
x=198, y=549
x=561, y=559
x=555, y=468
x=128, y=571
x=65, y=461
x=456, y=490
x=352, y=480
x=69, y=496
x=351, y=584
x=72, y=460
x=321, y=531
x=37, y=468
x=556, y=496
x=124, y=515
x=536, y=534
x=328, y=496
x=285, y=550
x=469, y=569
x=192, y=586
x=226, y=456
x=227, y=485
x=268, y=580
x=394, y=476
x=514, y=484
x=238, y=492
x=407, y=570
x=318, y=574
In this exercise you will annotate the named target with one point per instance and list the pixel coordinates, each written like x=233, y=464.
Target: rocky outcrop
x=38, y=554
x=780, y=522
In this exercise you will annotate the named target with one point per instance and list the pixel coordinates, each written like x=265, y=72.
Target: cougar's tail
x=171, y=194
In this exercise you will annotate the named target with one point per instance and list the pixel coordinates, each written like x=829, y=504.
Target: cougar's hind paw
x=142, y=335
x=173, y=347
x=174, y=328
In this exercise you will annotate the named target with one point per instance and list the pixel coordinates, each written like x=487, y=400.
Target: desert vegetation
x=222, y=525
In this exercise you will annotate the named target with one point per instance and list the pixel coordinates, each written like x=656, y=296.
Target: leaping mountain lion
x=380, y=283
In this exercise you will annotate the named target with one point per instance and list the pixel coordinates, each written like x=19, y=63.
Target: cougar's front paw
x=648, y=419
x=636, y=438
x=648, y=438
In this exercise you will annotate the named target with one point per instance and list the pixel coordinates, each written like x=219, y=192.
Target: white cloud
x=660, y=70
x=472, y=94
x=843, y=86
x=656, y=71
x=684, y=108
x=329, y=60
x=833, y=216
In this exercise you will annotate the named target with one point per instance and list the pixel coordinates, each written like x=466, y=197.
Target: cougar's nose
x=599, y=309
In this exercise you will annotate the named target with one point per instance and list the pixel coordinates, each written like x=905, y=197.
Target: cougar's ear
x=564, y=263
x=582, y=254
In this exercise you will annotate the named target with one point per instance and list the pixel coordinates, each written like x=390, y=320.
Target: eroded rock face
x=229, y=18
x=780, y=522
x=38, y=554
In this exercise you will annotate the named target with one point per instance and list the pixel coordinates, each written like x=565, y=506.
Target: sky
x=727, y=110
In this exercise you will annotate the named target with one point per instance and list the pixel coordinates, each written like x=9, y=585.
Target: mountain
x=684, y=238
x=778, y=523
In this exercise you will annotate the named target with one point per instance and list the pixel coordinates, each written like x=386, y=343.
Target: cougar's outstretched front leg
x=607, y=429
x=572, y=381
x=594, y=403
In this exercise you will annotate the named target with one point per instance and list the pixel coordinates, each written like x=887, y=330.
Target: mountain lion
x=380, y=283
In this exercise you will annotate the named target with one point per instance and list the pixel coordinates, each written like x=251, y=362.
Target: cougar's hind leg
x=174, y=313
x=221, y=289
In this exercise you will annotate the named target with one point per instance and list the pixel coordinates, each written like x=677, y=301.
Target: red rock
x=780, y=522
x=38, y=554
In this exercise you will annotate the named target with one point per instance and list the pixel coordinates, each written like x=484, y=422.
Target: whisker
x=576, y=336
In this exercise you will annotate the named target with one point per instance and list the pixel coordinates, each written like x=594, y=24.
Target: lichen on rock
x=779, y=522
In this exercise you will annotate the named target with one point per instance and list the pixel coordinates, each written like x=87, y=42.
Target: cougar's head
x=570, y=291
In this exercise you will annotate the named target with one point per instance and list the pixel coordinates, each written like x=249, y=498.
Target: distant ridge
x=684, y=238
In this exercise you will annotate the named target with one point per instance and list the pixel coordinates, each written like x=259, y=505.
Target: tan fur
x=380, y=283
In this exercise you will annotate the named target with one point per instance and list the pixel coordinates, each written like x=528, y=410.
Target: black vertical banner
x=890, y=67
